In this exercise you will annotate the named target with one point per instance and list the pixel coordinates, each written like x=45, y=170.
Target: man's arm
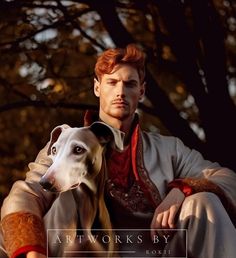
x=23, y=210
x=195, y=174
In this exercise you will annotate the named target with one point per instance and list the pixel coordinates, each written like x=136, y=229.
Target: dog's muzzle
x=47, y=185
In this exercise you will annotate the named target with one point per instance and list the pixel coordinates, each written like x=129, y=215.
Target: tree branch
x=46, y=27
x=43, y=104
x=10, y=88
x=69, y=18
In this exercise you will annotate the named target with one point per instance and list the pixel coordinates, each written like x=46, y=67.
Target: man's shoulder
x=158, y=141
x=158, y=136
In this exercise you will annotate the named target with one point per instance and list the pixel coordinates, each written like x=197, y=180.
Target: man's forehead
x=124, y=72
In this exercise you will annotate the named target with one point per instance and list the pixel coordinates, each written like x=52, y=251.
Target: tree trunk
x=214, y=103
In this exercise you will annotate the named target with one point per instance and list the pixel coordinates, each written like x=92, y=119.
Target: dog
x=78, y=164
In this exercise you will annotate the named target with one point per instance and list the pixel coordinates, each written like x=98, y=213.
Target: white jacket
x=159, y=160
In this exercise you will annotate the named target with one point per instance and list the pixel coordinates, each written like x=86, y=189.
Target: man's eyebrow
x=131, y=81
x=111, y=79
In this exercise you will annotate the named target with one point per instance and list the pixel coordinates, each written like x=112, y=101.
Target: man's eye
x=53, y=150
x=111, y=83
x=78, y=150
x=131, y=85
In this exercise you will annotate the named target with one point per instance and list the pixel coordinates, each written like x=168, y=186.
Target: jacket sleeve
x=193, y=171
x=23, y=210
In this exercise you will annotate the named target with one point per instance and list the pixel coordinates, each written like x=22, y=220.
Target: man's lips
x=120, y=102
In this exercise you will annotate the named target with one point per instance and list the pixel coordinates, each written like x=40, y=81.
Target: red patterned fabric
x=125, y=169
x=120, y=168
x=178, y=183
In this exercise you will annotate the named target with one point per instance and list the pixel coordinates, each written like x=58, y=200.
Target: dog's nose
x=46, y=184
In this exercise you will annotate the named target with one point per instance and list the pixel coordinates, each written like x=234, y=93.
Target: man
x=156, y=182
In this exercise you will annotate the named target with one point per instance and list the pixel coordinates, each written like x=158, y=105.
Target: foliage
x=47, y=54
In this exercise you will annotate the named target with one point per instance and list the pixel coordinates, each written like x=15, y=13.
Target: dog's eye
x=53, y=150
x=78, y=150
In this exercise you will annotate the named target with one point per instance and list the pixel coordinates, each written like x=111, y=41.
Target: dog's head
x=77, y=155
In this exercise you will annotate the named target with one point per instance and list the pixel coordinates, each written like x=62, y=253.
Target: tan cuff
x=22, y=229
x=205, y=185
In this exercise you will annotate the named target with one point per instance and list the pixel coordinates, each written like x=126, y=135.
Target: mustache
x=119, y=101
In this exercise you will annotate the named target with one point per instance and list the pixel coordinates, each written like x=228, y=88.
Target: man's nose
x=120, y=90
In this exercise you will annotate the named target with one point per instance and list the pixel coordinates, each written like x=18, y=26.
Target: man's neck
x=122, y=125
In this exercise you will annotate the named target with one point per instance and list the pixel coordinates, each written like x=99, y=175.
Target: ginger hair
x=131, y=55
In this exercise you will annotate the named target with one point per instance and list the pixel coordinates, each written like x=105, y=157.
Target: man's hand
x=34, y=254
x=165, y=213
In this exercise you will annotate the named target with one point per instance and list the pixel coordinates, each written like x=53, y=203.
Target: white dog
x=79, y=164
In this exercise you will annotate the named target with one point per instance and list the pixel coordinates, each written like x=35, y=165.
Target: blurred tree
x=47, y=54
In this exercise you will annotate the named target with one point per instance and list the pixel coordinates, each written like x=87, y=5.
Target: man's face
x=119, y=92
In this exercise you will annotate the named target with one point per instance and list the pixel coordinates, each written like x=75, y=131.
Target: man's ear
x=96, y=88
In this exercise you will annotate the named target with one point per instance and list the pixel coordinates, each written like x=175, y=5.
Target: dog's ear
x=107, y=134
x=55, y=134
